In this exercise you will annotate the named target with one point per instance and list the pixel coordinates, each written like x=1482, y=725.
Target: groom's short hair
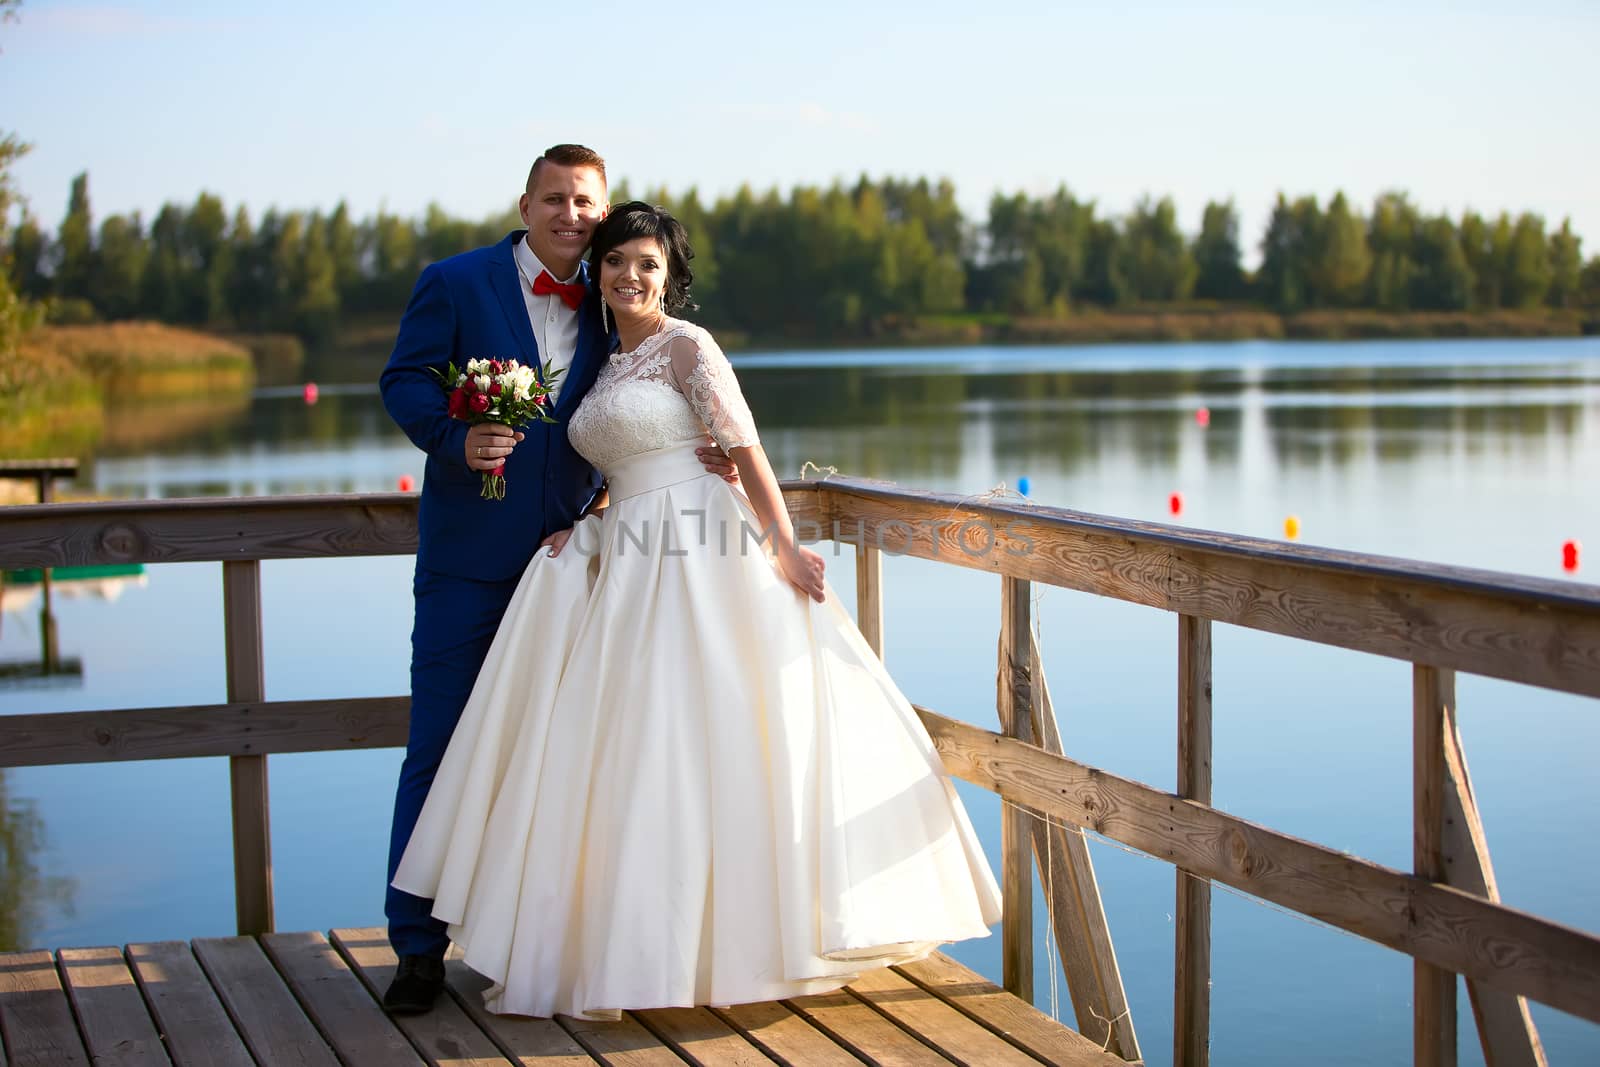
x=567, y=155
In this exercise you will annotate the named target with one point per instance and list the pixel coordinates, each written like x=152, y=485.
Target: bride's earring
x=605, y=321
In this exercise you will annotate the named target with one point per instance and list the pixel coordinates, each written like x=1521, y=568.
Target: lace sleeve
x=704, y=376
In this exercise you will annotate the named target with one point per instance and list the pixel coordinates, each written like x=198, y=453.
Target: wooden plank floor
x=308, y=999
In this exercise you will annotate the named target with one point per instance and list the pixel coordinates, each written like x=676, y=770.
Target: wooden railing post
x=1191, y=1011
x=869, y=595
x=247, y=775
x=1505, y=1027
x=1434, y=988
x=1014, y=697
x=1077, y=914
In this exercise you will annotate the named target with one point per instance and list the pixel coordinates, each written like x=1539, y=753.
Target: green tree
x=1529, y=271
x=1443, y=280
x=119, y=266
x=1339, y=257
x=205, y=256
x=1589, y=285
x=315, y=283
x=1217, y=255
x=1283, y=276
x=1392, y=237
x=29, y=252
x=161, y=288
x=1156, y=262
x=74, y=244
x=1566, y=266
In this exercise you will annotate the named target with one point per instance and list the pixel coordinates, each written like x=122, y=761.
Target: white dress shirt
x=555, y=326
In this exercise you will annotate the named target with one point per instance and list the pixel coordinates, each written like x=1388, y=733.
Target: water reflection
x=27, y=895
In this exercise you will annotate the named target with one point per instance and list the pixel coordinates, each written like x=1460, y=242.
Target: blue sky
x=1464, y=105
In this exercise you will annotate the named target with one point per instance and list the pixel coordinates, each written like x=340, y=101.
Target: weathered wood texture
x=1014, y=699
x=1502, y=947
x=869, y=596
x=186, y=1007
x=524, y=1040
x=270, y=1020
x=1191, y=979
x=1019, y=1022
x=189, y=531
x=1531, y=630
x=1433, y=995
x=898, y=998
x=247, y=775
x=1077, y=914
x=211, y=1002
x=337, y=1002
x=35, y=1018
x=112, y=1017
x=243, y=729
x=1505, y=1027
x=784, y=1036
x=445, y=1035
x=1523, y=629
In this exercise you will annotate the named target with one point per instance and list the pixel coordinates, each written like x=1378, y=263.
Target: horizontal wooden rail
x=256, y=728
x=1531, y=630
x=1536, y=631
x=1500, y=946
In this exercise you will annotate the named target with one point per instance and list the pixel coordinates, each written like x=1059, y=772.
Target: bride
x=682, y=777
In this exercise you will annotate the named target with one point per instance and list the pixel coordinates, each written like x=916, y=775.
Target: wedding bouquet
x=497, y=390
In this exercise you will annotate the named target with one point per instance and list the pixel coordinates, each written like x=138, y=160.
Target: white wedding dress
x=678, y=781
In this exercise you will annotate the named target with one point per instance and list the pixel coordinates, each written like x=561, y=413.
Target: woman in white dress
x=682, y=777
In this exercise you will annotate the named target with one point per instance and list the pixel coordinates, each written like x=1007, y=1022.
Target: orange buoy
x=1291, y=527
x=1175, y=503
x=407, y=483
x=1202, y=417
x=310, y=392
x=1569, y=556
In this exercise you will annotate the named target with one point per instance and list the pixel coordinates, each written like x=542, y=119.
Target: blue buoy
x=1022, y=486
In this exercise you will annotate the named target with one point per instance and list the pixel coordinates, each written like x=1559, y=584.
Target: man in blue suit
x=525, y=298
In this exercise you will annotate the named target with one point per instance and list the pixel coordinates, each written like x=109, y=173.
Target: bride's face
x=633, y=276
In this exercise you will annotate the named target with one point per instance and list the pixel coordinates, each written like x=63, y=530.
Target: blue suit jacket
x=470, y=306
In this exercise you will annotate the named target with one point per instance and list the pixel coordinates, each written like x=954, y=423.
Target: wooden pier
x=1444, y=912
x=311, y=1000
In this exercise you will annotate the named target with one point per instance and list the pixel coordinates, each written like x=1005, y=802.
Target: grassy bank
x=56, y=388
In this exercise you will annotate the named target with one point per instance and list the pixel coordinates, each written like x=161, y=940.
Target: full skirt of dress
x=679, y=782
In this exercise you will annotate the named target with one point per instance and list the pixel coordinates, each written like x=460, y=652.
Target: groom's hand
x=716, y=461
x=489, y=444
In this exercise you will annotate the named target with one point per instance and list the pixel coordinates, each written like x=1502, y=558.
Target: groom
x=525, y=298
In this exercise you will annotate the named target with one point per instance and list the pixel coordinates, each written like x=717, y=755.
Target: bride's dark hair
x=636, y=219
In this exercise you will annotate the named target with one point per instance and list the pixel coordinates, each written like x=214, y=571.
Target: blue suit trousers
x=456, y=620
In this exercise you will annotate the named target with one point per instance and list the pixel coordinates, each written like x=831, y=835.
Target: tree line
x=818, y=263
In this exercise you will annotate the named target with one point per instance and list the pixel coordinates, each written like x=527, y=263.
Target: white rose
x=482, y=382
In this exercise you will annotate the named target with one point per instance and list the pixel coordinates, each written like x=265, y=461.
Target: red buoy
x=1569, y=556
x=310, y=392
x=1202, y=417
x=1175, y=503
x=407, y=483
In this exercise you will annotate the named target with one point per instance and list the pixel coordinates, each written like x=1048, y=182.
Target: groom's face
x=561, y=212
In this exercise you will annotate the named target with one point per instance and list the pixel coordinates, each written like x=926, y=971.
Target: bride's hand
x=803, y=568
x=557, y=541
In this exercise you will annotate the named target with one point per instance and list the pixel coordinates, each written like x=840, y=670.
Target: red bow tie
x=571, y=293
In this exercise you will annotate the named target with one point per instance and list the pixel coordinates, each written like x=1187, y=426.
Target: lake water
x=1472, y=452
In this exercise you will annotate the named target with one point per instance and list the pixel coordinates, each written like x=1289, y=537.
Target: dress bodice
x=676, y=387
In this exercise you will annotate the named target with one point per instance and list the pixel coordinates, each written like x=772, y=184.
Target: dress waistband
x=655, y=469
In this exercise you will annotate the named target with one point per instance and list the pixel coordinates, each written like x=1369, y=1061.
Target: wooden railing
x=1444, y=913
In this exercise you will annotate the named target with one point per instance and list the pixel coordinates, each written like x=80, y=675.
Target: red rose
x=479, y=402
x=494, y=366
x=458, y=404
x=494, y=388
x=538, y=400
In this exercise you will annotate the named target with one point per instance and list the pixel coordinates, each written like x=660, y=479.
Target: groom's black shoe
x=418, y=981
